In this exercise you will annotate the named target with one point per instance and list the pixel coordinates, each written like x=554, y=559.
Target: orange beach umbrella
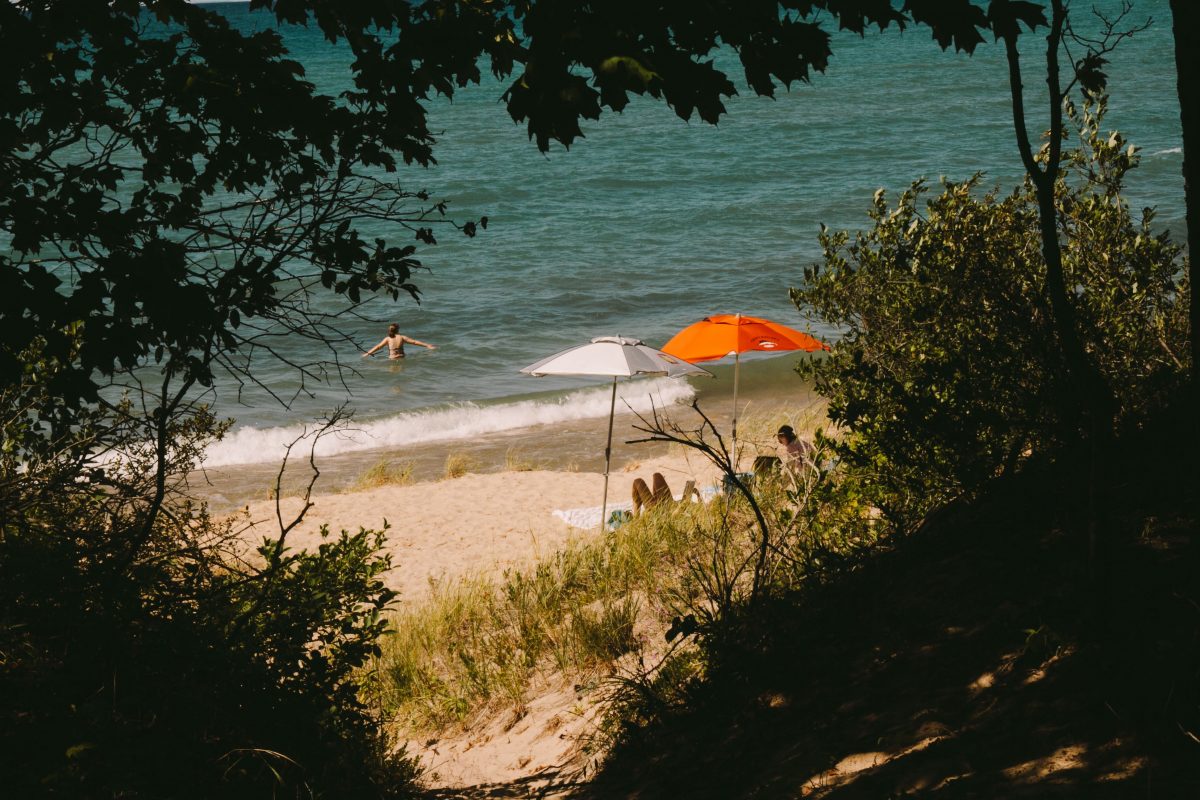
x=733, y=334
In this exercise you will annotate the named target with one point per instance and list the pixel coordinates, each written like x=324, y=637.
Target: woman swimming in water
x=394, y=342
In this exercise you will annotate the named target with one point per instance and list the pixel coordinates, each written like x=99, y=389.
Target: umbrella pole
x=737, y=362
x=612, y=407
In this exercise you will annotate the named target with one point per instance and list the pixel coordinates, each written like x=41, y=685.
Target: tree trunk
x=1090, y=403
x=1090, y=400
x=1185, y=18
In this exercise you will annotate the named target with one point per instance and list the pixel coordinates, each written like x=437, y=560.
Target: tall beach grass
x=479, y=643
x=602, y=606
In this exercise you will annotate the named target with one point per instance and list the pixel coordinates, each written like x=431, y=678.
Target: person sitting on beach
x=794, y=453
x=646, y=497
x=394, y=342
x=659, y=493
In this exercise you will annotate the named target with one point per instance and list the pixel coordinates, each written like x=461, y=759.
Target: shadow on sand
x=972, y=661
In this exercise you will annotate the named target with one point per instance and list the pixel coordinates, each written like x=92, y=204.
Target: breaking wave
x=251, y=445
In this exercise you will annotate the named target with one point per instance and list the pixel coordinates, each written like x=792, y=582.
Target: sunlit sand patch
x=1125, y=769
x=860, y=761
x=1061, y=760
x=846, y=770
x=985, y=681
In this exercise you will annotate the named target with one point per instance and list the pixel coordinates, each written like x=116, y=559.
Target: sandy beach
x=474, y=524
x=491, y=518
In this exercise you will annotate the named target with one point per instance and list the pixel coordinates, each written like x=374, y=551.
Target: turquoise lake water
x=650, y=223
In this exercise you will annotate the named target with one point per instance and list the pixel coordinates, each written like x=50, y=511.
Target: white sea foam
x=253, y=445
x=1168, y=151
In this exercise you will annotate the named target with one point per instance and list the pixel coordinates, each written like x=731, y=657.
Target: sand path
x=482, y=524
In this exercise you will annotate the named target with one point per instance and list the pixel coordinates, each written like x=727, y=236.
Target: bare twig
x=330, y=423
x=662, y=429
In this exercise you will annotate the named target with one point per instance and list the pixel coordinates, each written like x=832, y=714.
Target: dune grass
x=479, y=642
x=384, y=473
x=601, y=607
x=756, y=430
x=515, y=460
x=592, y=609
x=459, y=464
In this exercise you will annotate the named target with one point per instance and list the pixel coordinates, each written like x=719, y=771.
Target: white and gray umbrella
x=618, y=357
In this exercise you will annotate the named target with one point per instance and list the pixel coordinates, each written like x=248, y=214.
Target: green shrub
x=948, y=371
x=143, y=654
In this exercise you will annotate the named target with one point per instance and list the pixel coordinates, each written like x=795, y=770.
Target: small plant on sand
x=605, y=630
x=515, y=460
x=384, y=473
x=272, y=493
x=459, y=464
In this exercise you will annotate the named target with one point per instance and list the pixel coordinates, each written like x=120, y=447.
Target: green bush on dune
x=948, y=371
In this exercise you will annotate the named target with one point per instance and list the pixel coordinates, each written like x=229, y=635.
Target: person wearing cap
x=793, y=451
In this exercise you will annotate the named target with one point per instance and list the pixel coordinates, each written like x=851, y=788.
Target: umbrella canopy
x=733, y=334
x=729, y=334
x=615, y=357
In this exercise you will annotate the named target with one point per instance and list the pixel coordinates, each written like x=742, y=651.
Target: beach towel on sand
x=590, y=517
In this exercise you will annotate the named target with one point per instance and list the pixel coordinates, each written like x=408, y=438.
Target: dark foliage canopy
x=161, y=175
x=580, y=58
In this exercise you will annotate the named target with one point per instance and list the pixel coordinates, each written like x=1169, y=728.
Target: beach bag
x=618, y=518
